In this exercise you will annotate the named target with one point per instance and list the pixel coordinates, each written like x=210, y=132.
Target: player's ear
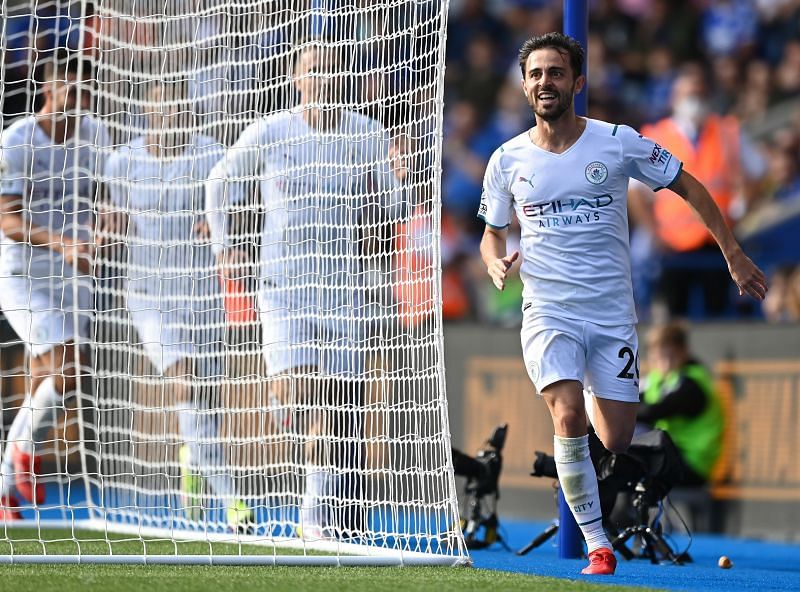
x=47, y=90
x=580, y=82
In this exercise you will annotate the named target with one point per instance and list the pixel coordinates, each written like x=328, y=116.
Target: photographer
x=678, y=397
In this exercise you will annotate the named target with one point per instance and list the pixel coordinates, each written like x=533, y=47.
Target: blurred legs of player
x=202, y=456
x=182, y=345
x=54, y=374
x=330, y=429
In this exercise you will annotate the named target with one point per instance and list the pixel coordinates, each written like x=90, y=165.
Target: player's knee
x=569, y=420
x=617, y=443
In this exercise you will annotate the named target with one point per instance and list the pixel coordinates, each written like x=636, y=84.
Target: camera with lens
x=480, y=523
x=646, y=473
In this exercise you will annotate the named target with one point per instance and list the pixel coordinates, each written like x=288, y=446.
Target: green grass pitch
x=157, y=578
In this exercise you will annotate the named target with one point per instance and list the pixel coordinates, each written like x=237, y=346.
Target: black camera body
x=480, y=524
x=651, y=466
x=491, y=461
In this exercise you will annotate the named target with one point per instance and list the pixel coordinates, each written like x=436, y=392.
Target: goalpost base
x=342, y=554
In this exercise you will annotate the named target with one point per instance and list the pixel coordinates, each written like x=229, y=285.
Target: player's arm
x=224, y=188
x=493, y=253
x=16, y=228
x=748, y=277
x=495, y=210
x=112, y=199
x=112, y=221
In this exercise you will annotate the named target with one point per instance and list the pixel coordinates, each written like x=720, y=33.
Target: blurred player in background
x=156, y=183
x=567, y=180
x=47, y=185
x=325, y=181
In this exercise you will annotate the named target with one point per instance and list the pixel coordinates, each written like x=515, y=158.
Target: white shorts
x=43, y=311
x=294, y=339
x=605, y=359
x=174, y=329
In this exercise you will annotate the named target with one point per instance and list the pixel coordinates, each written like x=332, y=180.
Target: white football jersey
x=56, y=184
x=164, y=200
x=318, y=191
x=572, y=211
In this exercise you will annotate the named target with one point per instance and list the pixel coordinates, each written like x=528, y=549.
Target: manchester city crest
x=596, y=172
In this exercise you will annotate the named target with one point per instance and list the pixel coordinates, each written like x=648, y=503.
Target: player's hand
x=78, y=254
x=748, y=277
x=232, y=263
x=499, y=269
x=398, y=160
x=111, y=227
x=201, y=231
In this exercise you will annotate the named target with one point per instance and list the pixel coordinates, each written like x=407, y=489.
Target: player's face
x=549, y=83
x=314, y=77
x=70, y=97
x=161, y=113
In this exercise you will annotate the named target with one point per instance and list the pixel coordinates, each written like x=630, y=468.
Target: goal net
x=231, y=208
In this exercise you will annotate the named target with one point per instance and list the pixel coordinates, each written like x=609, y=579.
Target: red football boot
x=26, y=467
x=601, y=563
x=8, y=509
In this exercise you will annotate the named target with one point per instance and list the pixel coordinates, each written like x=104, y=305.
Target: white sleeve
x=225, y=185
x=646, y=161
x=12, y=167
x=114, y=180
x=496, y=199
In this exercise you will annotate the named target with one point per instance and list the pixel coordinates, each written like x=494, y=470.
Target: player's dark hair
x=329, y=48
x=558, y=41
x=65, y=63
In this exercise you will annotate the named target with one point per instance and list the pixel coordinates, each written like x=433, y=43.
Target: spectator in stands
x=678, y=396
x=783, y=301
x=715, y=149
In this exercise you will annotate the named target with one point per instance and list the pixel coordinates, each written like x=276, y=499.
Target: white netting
x=261, y=329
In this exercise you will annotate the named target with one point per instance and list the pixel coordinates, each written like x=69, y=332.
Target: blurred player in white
x=566, y=179
x=324, y=177
x=156, y=182
x=47, y=186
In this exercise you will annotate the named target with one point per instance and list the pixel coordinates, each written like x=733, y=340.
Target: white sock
x=200, y=432
x=315, y=509
x=47, y=406
x=578, y=481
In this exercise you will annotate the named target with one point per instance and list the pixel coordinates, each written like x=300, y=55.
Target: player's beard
x=563, y=103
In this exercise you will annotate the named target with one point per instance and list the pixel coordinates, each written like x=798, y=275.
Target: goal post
x=260, y=371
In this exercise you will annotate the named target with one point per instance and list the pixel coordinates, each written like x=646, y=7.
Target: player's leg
x=297, y=391
x=555, y=359
x=340, y=431
x=163, y=341
x=613, y=367
x=298, y=398
x=58, y=371
x=16, y=433
x=576, y=473
x=28, y=309
x=200, y=423
x=339, y=447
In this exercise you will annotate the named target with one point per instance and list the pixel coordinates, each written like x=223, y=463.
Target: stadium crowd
x=747, y=51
